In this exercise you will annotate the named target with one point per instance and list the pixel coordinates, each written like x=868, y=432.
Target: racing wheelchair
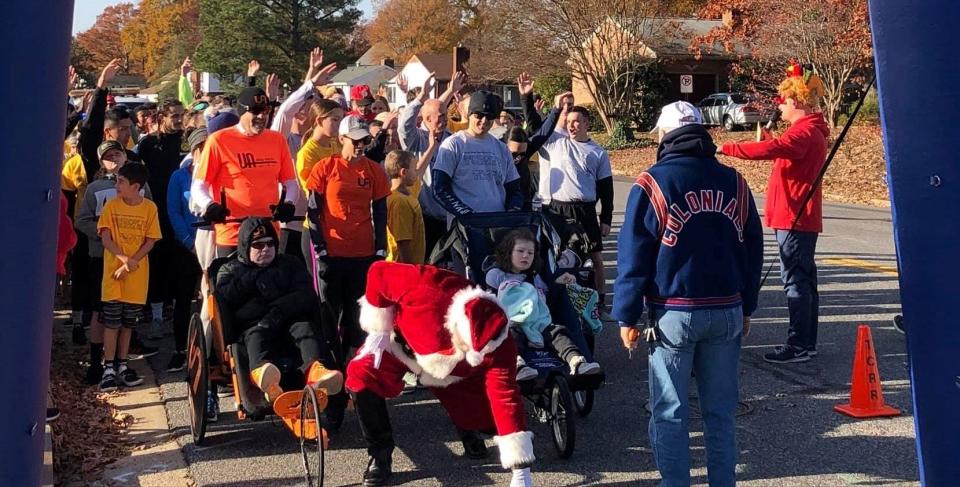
x=556, y=396
x=227, y=363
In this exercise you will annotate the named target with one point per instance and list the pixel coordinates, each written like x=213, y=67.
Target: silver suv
x=732, y=110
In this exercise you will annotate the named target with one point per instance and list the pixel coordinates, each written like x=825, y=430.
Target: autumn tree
x=103, y=41
x=278, y=33
x=831, y=35
x=162, y=34
x=402, y=28
x=82, y=62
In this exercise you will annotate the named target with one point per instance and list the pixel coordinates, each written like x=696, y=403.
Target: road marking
x=862, y=264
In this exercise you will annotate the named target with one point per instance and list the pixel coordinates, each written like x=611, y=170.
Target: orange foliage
x=103, y=40
x=162, y=34
x=406, y=27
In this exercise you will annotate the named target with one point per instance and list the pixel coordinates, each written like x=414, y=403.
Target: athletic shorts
x=116, y=314
x=584, y=214
x=96, y=283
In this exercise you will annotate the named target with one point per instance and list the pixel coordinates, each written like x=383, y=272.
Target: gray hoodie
x=98, y=194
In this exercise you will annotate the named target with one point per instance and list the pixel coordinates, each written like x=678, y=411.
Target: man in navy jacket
x=691, y=251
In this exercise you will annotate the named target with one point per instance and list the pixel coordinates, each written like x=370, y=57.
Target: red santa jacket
x=798, y=155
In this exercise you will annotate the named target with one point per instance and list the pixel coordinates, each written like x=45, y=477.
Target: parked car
x=733, y=110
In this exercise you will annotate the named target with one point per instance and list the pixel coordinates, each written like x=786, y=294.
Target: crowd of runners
x=306, y=191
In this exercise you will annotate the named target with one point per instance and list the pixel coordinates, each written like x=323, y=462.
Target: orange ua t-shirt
x=348, y=191
x=247, y=168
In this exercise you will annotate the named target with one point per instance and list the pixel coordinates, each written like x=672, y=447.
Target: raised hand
x=525, y=84
x=71, y=78
x=108, y=73
x=253, y=67
x=558, y=101
x=186, y=67
x=322, y=76
x=316, y=58
x=539, y=104
x=273, y=86
x=430, y=82
x=402, y=83
x=457, y=81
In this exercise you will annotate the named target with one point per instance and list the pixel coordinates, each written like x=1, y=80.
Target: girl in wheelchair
x=522, y=292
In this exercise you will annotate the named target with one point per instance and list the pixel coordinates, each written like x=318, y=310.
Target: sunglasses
x=363, y=141
x=263, y=245
x=482, y=116
x=258, y=109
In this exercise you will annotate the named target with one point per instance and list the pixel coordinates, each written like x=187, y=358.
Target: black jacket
x=276, y=295
x=161, y=154
x=91, y=135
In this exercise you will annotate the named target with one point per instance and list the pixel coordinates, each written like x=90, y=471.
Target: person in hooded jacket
x=691, y=250
x=271, y=295
x=798, y=155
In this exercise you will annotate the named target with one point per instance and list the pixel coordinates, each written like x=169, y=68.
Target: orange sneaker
x=267, y=378
x=320, y=377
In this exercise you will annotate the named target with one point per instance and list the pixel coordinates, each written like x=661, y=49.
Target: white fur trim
x=516, y=449
x=440, y=365
x=374, y=319
x=430, y=381
x=458, y=324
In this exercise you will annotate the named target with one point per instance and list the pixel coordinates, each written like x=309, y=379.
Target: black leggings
x=290, y=243
x=80, y=275
x=186, y=277
x=261, y=341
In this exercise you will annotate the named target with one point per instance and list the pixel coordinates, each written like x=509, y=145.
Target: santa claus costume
x=453, y=336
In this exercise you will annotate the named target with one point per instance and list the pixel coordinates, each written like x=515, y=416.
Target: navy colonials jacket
x=691, y=237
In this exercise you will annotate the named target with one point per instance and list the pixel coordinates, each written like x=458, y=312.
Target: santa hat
x=443, y=317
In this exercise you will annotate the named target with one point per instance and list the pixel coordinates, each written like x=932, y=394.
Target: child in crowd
x=523, y=293
x=112, y=156
x=128, y=227
x=406, y=238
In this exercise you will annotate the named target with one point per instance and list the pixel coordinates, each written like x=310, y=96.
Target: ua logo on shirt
x=363, y=182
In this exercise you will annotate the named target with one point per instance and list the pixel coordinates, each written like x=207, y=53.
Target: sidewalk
x=156, y=460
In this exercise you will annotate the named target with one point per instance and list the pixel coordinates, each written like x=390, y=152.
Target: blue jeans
x=798, y=271
x=707, y=342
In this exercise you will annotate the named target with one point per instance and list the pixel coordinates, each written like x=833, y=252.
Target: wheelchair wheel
x=583, y=402
x=197, y=379
x=561, y=416
x=311, y=451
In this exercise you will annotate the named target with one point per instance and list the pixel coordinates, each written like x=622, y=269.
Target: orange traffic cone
x=866, y=394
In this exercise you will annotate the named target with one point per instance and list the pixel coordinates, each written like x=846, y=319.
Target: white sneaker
x=580, y=366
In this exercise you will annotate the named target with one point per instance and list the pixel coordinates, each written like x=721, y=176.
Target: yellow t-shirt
x=129, y=226
x=405, y=223
x=73, y=177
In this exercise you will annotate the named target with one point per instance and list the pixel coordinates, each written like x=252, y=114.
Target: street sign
x=686, y=83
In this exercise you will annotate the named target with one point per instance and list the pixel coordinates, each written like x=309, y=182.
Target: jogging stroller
x=555, y=394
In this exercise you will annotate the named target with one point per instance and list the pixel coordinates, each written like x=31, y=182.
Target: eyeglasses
x=262, y=245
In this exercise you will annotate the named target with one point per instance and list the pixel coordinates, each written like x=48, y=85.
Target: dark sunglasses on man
x=260, y=245
x=481, y=115
x=363, y=141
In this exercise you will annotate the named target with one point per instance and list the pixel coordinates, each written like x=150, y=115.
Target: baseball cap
x=221, y=121
x=486, y=103
x=353, y=127
x=197, y=137
x=361, y=94
x=678, y=114
x=108, y=146
x=253, y=96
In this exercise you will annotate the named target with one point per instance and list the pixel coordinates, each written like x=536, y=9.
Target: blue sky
x=85, y=12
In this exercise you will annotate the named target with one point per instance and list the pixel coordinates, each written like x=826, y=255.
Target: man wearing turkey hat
x=798, y=155
x=457, y=335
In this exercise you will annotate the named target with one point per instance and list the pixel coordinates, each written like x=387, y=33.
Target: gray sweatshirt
x=98, y=194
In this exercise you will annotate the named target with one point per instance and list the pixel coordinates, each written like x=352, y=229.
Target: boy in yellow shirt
x=128, y=227
x=406, y=239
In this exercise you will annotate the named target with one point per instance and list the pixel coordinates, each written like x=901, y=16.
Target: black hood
x=692, y=140
x=251, y=229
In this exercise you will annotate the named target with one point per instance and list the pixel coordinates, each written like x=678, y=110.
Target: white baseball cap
x=678, y=114
x=353, y=127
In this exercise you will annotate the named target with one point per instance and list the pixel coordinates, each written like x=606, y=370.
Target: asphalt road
x=789, y=434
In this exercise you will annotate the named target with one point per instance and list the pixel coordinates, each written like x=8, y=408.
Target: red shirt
x=798, y=155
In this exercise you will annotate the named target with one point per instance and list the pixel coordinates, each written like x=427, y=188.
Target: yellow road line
x=862, y=264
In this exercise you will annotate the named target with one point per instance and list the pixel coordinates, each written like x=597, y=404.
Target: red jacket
x=66, y=238
x=798, y=155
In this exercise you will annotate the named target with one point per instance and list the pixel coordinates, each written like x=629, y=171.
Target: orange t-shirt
x=348, y=191
x=247, y=168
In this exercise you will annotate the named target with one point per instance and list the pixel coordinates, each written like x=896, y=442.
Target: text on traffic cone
x=866, y=393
